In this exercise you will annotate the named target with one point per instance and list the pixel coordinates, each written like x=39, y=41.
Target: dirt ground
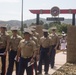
x=66, y=69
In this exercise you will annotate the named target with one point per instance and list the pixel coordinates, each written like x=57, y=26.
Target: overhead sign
x=55, y=11
x=55, y=19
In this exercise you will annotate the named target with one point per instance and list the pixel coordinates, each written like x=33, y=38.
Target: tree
x=63, y=27
x=33, y=23
x=41, y=22
x=25, y=25
x=46, y=26
x=51, y=24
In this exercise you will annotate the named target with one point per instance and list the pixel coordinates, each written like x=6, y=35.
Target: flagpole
x=22, y=16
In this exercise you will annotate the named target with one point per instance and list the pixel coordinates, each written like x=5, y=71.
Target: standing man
x=27, y=49
x=4, y=45
x=37, y=56
x=14, y=42
x=33, y=29
x=55, y=43
x=45, y=44
x=36, y=40
x=63, y=43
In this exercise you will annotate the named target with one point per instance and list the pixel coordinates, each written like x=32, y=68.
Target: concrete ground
x=60, y=60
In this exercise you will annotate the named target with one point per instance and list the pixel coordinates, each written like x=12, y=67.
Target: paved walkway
x=60, y=59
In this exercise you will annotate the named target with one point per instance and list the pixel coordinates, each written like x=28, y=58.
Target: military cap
x=32, y=29
x=3, y=25
x=27, y=30
x=53, y=28
x=45, y=30
x=64, y=34
x=14, y=28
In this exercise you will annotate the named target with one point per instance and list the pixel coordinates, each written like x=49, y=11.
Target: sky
x=11, y=9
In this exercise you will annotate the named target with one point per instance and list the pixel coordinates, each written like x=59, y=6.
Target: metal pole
x=22, y=16
x=37, y=19
x=73, y=19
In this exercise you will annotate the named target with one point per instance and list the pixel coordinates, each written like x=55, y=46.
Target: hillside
x=28, y=22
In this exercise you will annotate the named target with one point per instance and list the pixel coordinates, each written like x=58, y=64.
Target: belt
x=14, y=50
x=26, y=57
x=45, y=47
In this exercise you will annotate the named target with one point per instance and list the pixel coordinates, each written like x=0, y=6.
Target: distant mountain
x=11, y=23
x=14, y=23
x=28, y=22
x=68, y=21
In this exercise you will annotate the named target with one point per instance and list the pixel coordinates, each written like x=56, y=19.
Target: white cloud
x=15, y=1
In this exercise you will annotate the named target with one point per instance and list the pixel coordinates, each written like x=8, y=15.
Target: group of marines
x=29, y=51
